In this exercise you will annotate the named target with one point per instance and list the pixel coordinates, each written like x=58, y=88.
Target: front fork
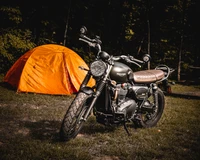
x=96, y=94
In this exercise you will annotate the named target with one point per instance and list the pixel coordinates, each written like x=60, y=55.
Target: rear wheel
x=150, y=117
x=73, y=119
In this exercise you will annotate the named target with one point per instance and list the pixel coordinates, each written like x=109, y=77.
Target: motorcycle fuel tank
x=119, y=72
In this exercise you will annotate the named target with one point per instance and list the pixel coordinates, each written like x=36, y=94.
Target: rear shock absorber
x=155, y=94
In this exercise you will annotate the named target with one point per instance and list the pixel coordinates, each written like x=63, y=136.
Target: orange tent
x=48, y=69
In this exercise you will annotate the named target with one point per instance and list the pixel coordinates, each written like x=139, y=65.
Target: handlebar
x=87, y=39
x=129, y=59
x=91, y=44
x=136, y=60
x=96, y=43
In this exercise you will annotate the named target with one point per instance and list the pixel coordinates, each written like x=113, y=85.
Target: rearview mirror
x=83, y=30
x=146, y=58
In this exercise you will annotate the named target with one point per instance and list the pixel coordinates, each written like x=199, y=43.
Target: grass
x=178, y=88
x=30, y=125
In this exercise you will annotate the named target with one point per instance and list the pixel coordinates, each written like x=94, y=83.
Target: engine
x=115, y=103
x=124, y=105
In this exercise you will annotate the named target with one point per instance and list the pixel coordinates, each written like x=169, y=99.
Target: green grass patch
x=30, y=124
x=178, y=88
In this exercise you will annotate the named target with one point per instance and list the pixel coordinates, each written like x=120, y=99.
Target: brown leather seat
x=147, y=76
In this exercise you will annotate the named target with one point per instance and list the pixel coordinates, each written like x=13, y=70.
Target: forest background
x=168, y=30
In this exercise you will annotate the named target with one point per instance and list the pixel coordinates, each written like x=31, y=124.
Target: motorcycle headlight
x=97, y=68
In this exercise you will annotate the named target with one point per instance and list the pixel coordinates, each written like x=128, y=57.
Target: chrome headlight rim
x=97, y=68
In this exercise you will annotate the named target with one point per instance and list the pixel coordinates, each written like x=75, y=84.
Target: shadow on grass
x=49, y=130
x=92, y=127
x=43, y=130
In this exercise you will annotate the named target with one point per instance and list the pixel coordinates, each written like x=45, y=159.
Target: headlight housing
x=97, y=68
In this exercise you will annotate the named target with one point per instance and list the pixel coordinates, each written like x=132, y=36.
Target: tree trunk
x=66, y=27
x=179, y=59
x=148, y=23
x=181, y=42
x=149, y=35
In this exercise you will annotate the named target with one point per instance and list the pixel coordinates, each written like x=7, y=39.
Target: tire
x=147, y=119
x=72, y=123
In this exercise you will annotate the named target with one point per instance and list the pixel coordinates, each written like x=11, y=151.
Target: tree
x=181, y=37
x=14, y=41
x=168, y=30
x=179, y=21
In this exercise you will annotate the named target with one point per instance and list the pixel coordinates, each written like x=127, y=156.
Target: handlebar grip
x=85, y=37
x=133, y=62
x=131, y=59
x=88, y=42
x=136, y=60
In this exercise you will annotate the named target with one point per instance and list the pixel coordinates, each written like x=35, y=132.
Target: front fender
x=87, y=90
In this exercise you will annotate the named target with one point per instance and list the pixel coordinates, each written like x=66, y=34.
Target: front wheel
x=73, y=119
x=149, y=118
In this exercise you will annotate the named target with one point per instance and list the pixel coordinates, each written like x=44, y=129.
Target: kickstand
x=125, y=127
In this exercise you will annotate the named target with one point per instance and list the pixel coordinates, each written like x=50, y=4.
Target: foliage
x=11, y=14
x=13, y=44
x=14, y=41
x=122, y=26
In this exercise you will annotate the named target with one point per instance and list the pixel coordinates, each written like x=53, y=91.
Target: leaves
x=122, y=26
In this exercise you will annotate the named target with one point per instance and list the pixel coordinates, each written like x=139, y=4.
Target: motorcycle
x=119, y=96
